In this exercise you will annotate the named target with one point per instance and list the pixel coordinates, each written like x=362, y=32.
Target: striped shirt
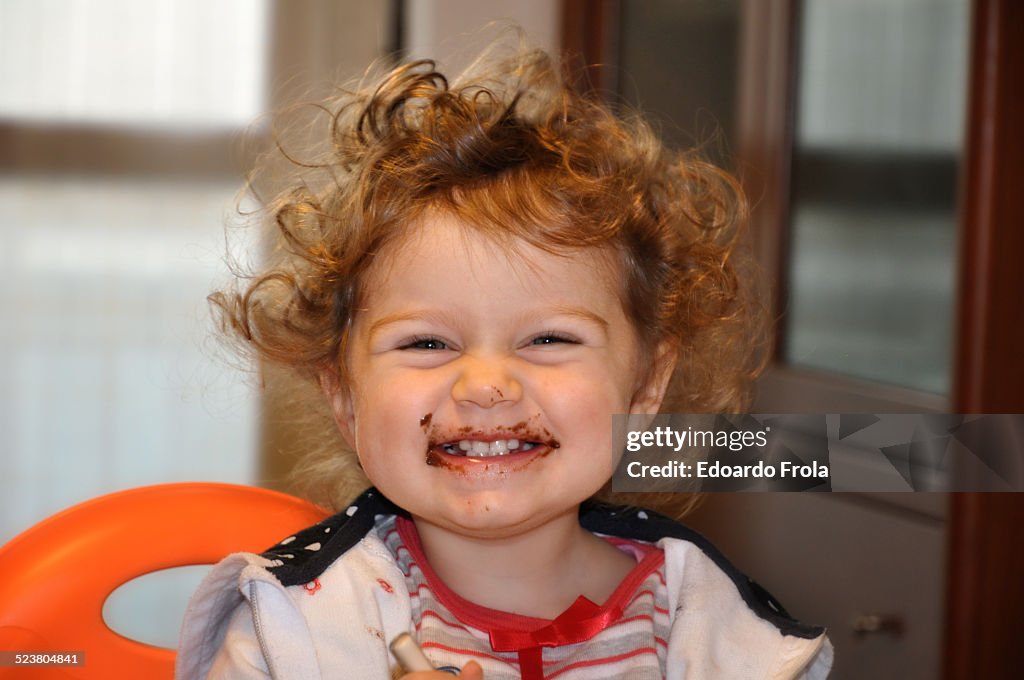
x=624, y=637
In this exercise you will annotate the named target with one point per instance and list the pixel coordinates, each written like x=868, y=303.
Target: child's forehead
x=470, y=245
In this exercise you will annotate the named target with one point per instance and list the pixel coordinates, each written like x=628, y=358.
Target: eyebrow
x=425, y=315
x=445, y=318
x=584, y=314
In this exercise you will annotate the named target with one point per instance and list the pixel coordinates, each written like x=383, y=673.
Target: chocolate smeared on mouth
x=476, y=446
x=425, y=421
x=435, y=460
x=493, y=446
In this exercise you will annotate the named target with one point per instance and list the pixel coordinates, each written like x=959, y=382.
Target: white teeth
x=499, y=447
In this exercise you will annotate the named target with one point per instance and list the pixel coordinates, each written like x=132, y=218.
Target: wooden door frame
x=985, y=595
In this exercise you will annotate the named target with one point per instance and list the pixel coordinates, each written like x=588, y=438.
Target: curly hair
x=513, y=151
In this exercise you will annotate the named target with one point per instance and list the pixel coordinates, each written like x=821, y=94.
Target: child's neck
x=537, y=573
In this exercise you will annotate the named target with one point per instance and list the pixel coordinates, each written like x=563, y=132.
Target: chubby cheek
x=386, y=453
x=594, y=391
x=389, y=422
x=586, y=408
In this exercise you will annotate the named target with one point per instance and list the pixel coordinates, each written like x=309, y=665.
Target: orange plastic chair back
x=55, y=577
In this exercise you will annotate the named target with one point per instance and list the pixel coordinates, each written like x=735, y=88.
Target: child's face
x=460, y=343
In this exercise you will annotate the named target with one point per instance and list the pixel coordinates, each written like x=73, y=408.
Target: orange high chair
x=55, y=577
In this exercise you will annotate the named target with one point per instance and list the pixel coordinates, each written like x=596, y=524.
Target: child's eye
x=553, y=339
x=425, y=343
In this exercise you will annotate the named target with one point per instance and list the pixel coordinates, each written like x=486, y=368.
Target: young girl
x=478, y=277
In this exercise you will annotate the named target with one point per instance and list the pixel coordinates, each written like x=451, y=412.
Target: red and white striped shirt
x=625, y=637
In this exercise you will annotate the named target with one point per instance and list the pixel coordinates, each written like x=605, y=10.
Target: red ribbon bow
x=580, y=622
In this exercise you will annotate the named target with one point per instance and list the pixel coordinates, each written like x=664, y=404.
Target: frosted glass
x=110, y=376
x=165, y=63
x=883, y=74
x=880, y=115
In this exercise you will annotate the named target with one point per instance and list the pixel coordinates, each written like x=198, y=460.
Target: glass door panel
x=878, y=135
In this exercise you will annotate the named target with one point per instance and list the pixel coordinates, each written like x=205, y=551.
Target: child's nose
x=485, y=382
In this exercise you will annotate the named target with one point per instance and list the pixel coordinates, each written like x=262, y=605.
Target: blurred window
x=880, y=114
x=121, y=158
x=112, y=378
x=119, y=126
x=171, y=63
x=879, y=117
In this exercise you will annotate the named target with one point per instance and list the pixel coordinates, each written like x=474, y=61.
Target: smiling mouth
x=474, y=448
x=457, y=453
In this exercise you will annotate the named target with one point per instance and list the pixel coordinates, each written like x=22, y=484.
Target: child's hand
x=471, y=671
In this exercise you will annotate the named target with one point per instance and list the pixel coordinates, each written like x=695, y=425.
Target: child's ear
x=651, y=392
x=340, y=401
